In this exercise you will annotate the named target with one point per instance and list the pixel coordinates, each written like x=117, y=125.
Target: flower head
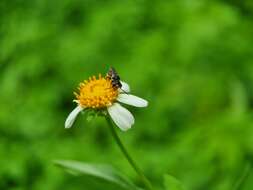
x=101, y=94
x=96, y=93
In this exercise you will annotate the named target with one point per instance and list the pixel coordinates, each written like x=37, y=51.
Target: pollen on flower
x=96, y=93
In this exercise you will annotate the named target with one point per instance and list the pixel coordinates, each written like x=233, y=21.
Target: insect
x=114, y=77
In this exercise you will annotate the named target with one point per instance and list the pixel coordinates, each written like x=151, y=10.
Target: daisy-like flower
x=101, y=94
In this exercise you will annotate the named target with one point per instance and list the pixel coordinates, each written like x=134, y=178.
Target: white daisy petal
x=132, y=100
x=125, y=87
x=121, y=116
x=72, y=116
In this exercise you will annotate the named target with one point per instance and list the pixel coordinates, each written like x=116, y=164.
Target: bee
x=114, y=77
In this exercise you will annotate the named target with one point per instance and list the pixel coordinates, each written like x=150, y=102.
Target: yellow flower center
x=96, y=93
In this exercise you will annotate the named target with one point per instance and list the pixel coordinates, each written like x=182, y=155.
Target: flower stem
x=145, y=181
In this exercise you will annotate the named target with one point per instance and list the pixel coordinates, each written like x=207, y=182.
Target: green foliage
x=192, y=59
x=100, y=171
x=171, y=183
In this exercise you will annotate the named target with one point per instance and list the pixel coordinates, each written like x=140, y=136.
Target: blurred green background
x=191, y=59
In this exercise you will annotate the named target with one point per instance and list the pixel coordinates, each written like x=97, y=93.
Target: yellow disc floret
x=96, y=93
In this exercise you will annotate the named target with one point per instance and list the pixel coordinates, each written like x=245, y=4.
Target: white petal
x=125, y=87
x=121, y=116
x=132, y=100
x=72, y=116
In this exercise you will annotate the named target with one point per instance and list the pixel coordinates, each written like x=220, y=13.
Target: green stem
x=145, y=181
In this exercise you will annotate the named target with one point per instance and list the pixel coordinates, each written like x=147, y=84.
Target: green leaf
x=104, y=172
x=171, y=183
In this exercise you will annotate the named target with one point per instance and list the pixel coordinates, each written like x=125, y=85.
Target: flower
x=100, y=94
